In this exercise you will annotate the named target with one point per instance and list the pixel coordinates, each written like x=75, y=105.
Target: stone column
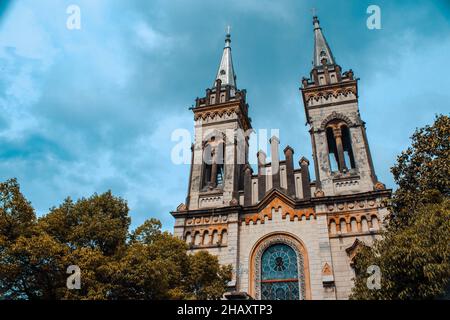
x=340, y=148
x=315, y=159
x=248, y=186
x=261, y=174
x=227, y=93
x=290, y=178
x=306, y=179
x=213, y=181
x=274, y=143
x=208, y=97
x=231, y=170
x=237, y=171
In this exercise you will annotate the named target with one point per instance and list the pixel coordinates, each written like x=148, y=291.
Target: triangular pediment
x=275, y=194
x=275, y=201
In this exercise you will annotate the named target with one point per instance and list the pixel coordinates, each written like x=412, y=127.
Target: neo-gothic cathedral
x=286, y=236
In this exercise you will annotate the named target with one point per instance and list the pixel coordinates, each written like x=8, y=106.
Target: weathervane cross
x=228, y=29
x=314, y=11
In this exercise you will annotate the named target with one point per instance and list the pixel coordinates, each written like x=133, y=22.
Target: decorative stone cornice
x=329, y=93
x=219, y=110
x=212, y=112
x=333, y=87
x=296, y=203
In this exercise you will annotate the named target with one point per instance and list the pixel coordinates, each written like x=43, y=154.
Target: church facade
x=286, y=236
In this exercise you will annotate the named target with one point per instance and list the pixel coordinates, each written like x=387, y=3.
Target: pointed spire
x=226, y=71
x=321, y=48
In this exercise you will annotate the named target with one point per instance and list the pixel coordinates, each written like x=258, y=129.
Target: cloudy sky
x=84, y=111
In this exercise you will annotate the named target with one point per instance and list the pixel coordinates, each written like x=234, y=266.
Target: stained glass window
x=279, y=274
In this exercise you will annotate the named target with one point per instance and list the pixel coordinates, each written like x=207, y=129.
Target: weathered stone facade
x=237, y=215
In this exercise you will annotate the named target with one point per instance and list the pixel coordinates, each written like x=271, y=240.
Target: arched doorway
x=279, y=273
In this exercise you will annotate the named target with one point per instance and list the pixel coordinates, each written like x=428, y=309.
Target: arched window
x=220, y=160
x=333, y=78
x=347, y=145
x=215, y=237
x=207, y=165
x=364, y=224
x=375, y=224
x=188, y=238
x=343, y=225
x=340, y=150
x=197, y=239
x=332, y=150
x=224, y=237
x=206, y=238
x=354, y=225
x=332, y=227
x=213, y=164
x=322, y=80
x=279, y=273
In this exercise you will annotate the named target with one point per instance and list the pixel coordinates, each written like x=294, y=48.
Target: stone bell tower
x=285, y=235
x=209, y=220
x=218, y=156
x=343, y=164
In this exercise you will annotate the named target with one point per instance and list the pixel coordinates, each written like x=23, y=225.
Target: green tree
x=153, y=266
x=100, y=222
x=206, y=277
x=157, y=266
x=17, y=216
x=414, y=254
x=93, y=234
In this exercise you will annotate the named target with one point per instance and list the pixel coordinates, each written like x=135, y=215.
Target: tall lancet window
x=219, y=160
x=339, y=147
x=207, y=165
x=332, y=151
x=213, y=164
x=347, y=146
x=279, y=274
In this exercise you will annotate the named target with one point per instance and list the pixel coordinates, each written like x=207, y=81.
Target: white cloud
x=147, y=38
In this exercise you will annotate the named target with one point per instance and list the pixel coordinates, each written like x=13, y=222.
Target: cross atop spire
x=322, y=52
x=226, y=70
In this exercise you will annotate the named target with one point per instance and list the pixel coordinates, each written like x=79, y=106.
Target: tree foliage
x=414, y=254
x=93, y=234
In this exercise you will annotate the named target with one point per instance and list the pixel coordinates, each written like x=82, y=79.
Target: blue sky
x=88, y=110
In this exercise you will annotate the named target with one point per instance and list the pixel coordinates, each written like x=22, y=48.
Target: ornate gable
x=278, y=202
